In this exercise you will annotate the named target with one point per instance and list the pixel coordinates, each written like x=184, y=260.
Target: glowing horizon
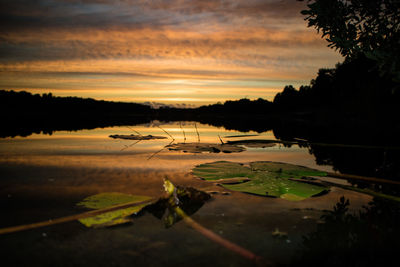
x=175, y=52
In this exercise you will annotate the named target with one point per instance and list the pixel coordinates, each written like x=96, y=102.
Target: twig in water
x=198, y=135
x=173, y=139
x=171, y=191
x=184, y=135
x=362, y=178
x=87, y=214
x=155, y=153
x=126, y=147
x=135, y=131
x=222, y=142
x=220, y=240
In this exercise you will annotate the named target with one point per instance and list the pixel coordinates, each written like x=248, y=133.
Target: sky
x=181, y=52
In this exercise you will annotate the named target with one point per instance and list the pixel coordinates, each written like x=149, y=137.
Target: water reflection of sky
x=94, y=148
x=43, y=177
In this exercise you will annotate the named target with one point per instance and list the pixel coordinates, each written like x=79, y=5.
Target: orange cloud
x=137, y=49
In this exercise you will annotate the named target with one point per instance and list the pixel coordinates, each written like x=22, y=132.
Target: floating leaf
x=205, y=147
x=136, y=137
x=270, y=184
x=221, y=170
x=253, y=143
x=116, y=217
x=267, y=178
x=242, y=135
x=285, y=169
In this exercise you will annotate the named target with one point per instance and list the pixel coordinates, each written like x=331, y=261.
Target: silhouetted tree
x=288, y=99
x=353, y=27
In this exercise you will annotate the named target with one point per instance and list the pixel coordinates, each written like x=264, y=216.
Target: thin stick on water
x=245, y=253
x=362, y=178
x=135, y=131
x=70, y=218
x=197, y=131
x=166, y=133
x=126, y=147
x=171, y=192
x=184, y=135
x=222, y=142
x=155, y=153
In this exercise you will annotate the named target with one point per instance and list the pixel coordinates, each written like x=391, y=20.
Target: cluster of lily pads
x=260, y=178
x=198, y=147
x=270, y=179
x=228, y=147
x=188, y=199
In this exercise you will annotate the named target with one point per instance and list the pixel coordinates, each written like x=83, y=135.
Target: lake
x=43, y=177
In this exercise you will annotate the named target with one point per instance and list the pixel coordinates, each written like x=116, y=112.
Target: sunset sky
x=172, y=51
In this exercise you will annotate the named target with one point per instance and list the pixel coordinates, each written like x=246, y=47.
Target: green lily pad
x=266, y=178
x=221, y=170
x=285, y=169
x=105, y=200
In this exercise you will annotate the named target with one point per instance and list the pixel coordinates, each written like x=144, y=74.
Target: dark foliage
x=366, y=239
x=353, y=87
x=354, y=27
x=240, y=107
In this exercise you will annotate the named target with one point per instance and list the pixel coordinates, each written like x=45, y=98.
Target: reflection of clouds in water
x=166, y=160
x=43, y=176
x=94, y=149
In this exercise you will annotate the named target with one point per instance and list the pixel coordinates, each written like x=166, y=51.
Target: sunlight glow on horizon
x=194, y=52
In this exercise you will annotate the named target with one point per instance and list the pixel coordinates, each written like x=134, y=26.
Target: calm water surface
x=43, y=177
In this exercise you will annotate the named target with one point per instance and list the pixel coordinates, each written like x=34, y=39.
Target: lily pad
x=241, y=135
x=105, y=200
x=285, y=169
x=205, y=147
x=136, y=137
x=253, y=143
x=266, y=178
x=221, y=170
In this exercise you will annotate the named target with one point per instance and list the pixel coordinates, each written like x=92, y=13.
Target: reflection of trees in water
x=360, y=161
x=369, y=238
x=356, y=150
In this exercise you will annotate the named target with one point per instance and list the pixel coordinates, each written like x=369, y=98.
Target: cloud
x=89, y=29
x=62, y=42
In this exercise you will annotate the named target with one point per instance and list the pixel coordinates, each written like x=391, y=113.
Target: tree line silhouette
x=354, y=93
x=23, y=113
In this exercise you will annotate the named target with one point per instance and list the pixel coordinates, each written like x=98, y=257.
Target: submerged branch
x=134, y=130
x=197, y=131
x=155, y=153
x=126, y=147
x=184, y=135
x=173, y=203
x=87, y=214
x=220, y=240
x=362, y=178
x=167, y=133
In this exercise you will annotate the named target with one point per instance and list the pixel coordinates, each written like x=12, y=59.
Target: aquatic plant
x=270, y=179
